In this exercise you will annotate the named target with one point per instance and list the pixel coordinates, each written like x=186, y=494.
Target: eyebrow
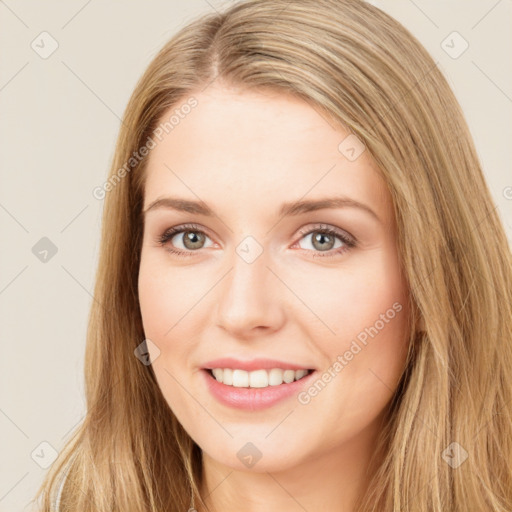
x=287, y=209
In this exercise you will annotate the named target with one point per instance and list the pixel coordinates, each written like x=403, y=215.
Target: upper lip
x=253, y=364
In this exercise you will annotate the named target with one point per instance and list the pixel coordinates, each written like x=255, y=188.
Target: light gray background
x=59, y=120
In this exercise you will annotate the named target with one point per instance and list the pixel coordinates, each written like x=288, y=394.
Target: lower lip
x=254, y=399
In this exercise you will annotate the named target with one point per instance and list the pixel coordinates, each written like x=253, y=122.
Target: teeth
x=240, y=378
x=257, y=378
x=226, y=376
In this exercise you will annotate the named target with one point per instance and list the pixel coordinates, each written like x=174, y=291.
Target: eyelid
x=344, y=235
x=180, y=228
x=303, y=231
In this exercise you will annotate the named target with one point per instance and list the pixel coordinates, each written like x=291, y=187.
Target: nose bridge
x=247, y=296
x=249, y=275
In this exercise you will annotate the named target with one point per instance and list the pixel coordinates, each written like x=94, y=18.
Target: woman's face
x=259, y=278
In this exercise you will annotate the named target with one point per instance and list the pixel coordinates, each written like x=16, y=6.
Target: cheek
x=166, y=296
x=173, y=316
x=367, y=291
x=366, y=356
x=153, y=296
x=160, y=307
x=367, y=308
x=161, y=299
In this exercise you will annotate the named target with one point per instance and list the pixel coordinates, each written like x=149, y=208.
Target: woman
x=230, y=364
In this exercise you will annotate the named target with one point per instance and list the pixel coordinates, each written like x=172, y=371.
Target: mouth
x=262, y=378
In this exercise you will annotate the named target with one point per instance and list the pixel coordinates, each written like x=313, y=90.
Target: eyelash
x=349, y=242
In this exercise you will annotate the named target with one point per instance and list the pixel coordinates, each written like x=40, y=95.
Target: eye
x=323, y=240
x=192, y=240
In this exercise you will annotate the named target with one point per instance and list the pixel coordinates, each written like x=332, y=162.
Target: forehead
x=255, y=148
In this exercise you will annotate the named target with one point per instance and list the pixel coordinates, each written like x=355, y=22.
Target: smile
x=258, y=378
x=256, y=389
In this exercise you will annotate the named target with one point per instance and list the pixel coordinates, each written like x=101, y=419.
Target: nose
x=250, y=298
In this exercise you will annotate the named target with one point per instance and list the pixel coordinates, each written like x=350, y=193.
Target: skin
x=244, y=154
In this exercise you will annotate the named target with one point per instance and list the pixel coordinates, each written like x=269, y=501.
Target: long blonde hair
x=366, y=73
